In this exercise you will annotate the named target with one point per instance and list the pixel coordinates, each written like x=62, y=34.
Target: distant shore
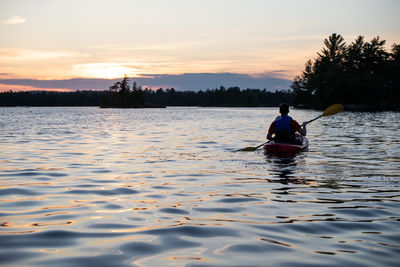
x=231, y=97
x=221, y=97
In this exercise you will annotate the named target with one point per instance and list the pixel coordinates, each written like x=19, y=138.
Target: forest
x=135, y=97
x=221, y=97
x=361, y=75
x=50, y=98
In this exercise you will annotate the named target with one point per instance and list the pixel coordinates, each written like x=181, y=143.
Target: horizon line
x=180, y=82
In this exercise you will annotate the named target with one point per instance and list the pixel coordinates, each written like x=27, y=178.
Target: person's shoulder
x=293, y=120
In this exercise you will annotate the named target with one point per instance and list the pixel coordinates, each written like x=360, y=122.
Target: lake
x=165, y=187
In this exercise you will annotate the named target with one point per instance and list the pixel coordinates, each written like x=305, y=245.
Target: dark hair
x=284, y=108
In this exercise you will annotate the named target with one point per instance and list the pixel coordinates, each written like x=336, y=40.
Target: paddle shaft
x=260, y=145
x=307, y=122
x=331, y=110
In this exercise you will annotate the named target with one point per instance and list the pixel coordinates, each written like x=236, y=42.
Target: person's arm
x=303, y=129
x=271, y=131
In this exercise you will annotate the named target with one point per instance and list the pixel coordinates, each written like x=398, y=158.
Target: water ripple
x=165, y=187
x=117, y=191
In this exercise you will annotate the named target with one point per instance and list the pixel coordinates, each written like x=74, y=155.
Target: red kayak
x=287, y=149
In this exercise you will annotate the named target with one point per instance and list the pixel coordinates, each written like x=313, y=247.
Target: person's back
x=283, y=132
x=284, y=127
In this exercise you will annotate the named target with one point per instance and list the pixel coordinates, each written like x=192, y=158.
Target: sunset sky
x=161, y=42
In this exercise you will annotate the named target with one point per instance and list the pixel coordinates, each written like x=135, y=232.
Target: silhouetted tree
x=362, y=73
x=120, y=95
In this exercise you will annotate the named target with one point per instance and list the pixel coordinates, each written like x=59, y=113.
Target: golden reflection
x=24, y=199
x=38, y=224
x=19, y=232
x=118, y=239
x=25, y=217
x=139, y=208
x=49, y=250
x=27, y=184
x=66, y=207
x=49, y=169
x=134, y=230
x=147, y=201
x=50, y=223
x=222, y=250
x=187, y=258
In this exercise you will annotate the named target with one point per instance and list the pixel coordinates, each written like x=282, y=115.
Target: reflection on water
x=156, y=187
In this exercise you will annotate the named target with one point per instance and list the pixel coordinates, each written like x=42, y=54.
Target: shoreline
x=351, y=108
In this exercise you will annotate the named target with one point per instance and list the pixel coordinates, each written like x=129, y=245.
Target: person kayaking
x=284, y=127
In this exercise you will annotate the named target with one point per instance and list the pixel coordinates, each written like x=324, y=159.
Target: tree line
x=137, y=97
x=220, y=97
x=121, y=95
x=362, y=75
x=50, y=98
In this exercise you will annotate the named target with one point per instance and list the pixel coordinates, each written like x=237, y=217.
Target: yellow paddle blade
x=332, y=110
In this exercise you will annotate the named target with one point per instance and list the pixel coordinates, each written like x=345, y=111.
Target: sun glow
x=106, y=70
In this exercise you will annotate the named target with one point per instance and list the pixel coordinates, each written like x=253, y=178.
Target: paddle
x=331, y=110
x=250, y=148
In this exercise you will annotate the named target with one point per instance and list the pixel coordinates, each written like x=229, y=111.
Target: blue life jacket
x=282, y=124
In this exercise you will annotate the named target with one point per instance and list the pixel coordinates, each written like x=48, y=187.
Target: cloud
x=182, y=82
x=105, y=70
x=279, y=74
x=9, y=55
x=202, y=81
x=14, y=20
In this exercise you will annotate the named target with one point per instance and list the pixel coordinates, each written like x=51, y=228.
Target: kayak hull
x=286, y=149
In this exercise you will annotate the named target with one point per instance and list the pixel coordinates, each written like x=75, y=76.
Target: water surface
x=165, y=187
